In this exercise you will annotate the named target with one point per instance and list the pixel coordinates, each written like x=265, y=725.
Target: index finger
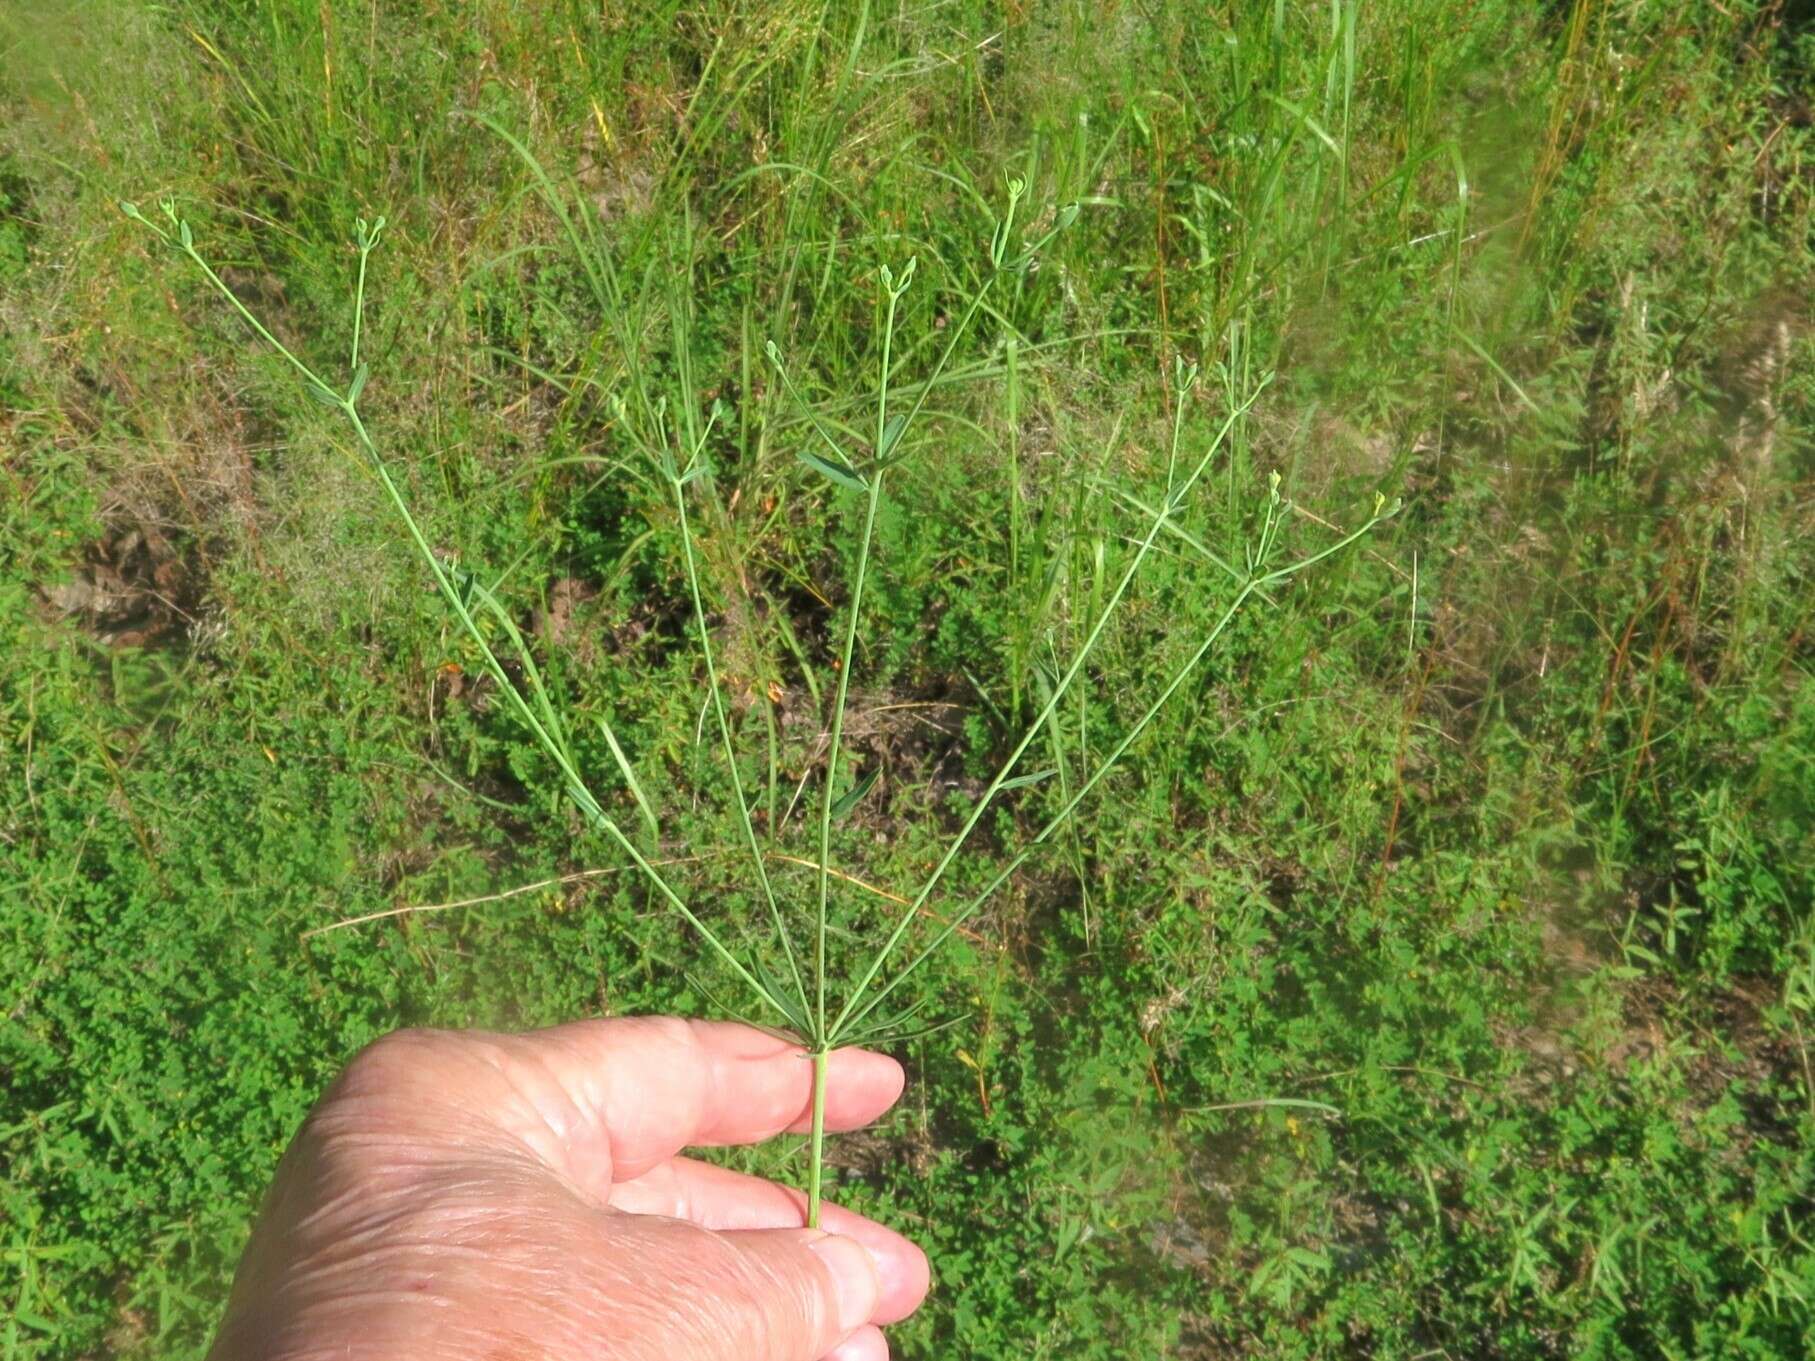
x=607, y=1100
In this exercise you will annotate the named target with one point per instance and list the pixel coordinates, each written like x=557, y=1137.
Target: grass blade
x=833, y=471
x=854, y=796
x=630, y=779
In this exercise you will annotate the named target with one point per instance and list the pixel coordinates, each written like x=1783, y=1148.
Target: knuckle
x=416, y=1064
x=747, y=1305
x=389, y=1058
x=666, y=1032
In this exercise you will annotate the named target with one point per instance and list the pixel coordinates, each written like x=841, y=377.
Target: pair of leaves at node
x=328, y=397
x=851, y=479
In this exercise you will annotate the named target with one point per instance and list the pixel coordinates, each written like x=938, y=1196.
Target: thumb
x=767, y=1294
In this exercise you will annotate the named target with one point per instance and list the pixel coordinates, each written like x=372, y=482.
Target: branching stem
x=807, y=1010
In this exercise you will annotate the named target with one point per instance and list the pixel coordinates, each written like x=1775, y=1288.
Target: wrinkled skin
x=475, y=1197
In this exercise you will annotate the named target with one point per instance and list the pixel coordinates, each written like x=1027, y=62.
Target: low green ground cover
x=1492, y=841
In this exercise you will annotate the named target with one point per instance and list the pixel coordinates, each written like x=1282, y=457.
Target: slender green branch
x=368, y=240
x=912, y=911
x=1256, y=584
x=185, y=243
x=475, y=608
x=830, y=792
x=724, y=730
x=576, y=785
x=818, y=425
x=951, y=345
x=549, y=739
x=1057, y=820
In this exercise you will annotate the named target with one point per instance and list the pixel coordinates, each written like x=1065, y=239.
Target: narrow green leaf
x=842, y=473
x=1022, y=781
x=358, y=385
x=891, y=436
x=788, y=1002
x=897, y=1027
x=630, y=778
x=893, y=1035
x=854, y=796
x=721, y=1006
x=898, y=1017
x=326, y=396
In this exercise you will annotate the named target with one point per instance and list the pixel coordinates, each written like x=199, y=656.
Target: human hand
x=477, y=1197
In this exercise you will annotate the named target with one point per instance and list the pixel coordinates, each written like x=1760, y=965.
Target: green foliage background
x=1497, y=835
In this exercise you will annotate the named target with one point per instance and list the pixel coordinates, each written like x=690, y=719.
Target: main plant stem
x=816, y=1146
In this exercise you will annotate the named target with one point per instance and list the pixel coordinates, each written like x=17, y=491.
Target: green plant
x=1412, y=844
x=801, y=1000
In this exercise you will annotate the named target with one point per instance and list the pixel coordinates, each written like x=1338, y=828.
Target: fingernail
x=853, y=1277
x=866, y=1344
